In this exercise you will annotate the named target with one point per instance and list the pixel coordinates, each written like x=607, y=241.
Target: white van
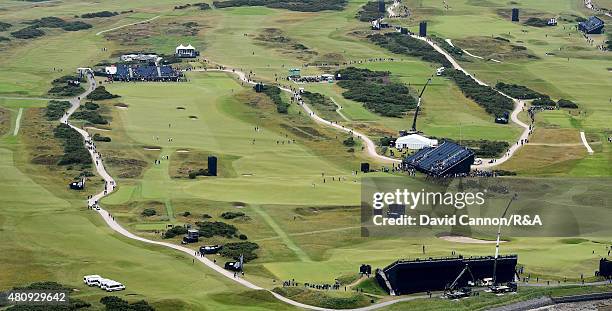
x=104, y=283
x=114, y=286
x=92, y=280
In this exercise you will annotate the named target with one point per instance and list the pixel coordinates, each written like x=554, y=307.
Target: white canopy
x=111, y=70
x=415, y=141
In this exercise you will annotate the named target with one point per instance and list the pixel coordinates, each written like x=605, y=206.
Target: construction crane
x=413, y=130
x=450, y=291
x=494, y=287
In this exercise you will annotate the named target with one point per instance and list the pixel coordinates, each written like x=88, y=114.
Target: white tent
x=111, y=70
x=415, y=141
x=178, y=48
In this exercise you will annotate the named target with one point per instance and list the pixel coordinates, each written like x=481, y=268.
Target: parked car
x=92, y=280
x=114, y=286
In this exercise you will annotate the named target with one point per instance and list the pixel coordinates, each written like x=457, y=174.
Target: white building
x=415, y=142
x=140, y=57
x=186, y=51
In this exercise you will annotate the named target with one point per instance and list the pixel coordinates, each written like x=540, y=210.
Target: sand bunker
x=182, y=151
x=121, y=106
x=180, y=108
x=152, y=148
x=465, y=239
x=193, y=117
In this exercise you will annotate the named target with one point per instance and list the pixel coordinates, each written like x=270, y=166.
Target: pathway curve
x=369, y=145
x=18, y=122
x=110, y=186
x=126, y=25
x=338, y=110
x=585, y=142
x=518, y=107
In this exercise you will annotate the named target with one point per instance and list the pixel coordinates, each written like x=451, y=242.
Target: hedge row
x=100, y=93
x=407, y=45
x=274, y=93
x=56, y=109
x=369, y=12
x=74, y=150
x=485, y=96
x=292, y=5
x=517, y=91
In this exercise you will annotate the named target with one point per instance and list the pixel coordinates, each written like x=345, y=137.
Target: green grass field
x=293, y=179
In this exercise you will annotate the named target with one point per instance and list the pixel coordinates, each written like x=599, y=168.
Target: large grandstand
x=123, y=72
x=447, y=159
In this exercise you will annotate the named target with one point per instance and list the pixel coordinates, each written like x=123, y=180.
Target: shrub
x=234, y=250
x=544, y=101
x=91, y=106
x=243, y=237
x=74, y=150
x=56, y=22
x=100, y=93
x=206, y=216
x=200, y=172
x=148, y=212
x=274, y=93
x=517, y=91
x=28, y=33
x=99, y=14
x=174, y=231
x=56, y=109
x=90, y=116
x=536, y=22
x=186, y=214
x=566, y=103
x=349, y=142
x=369, y=12
x=491, y=149
x=373, y=89
x=76, y=26
x=493, y=102
x=98, y=137
x=114, y=303
x=232, y=215
x=4, y=26
x=293, y=5
x=209, y=229
x=4, y=39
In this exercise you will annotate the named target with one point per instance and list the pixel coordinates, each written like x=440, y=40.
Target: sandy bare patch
x=96, y=129
x=182, y=151
x=465, y=239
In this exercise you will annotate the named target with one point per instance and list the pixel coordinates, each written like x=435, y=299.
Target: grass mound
x=332, y=300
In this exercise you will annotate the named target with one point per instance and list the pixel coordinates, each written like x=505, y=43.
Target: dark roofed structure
x=447, y=159
x=593, y=25
x=434, y=274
